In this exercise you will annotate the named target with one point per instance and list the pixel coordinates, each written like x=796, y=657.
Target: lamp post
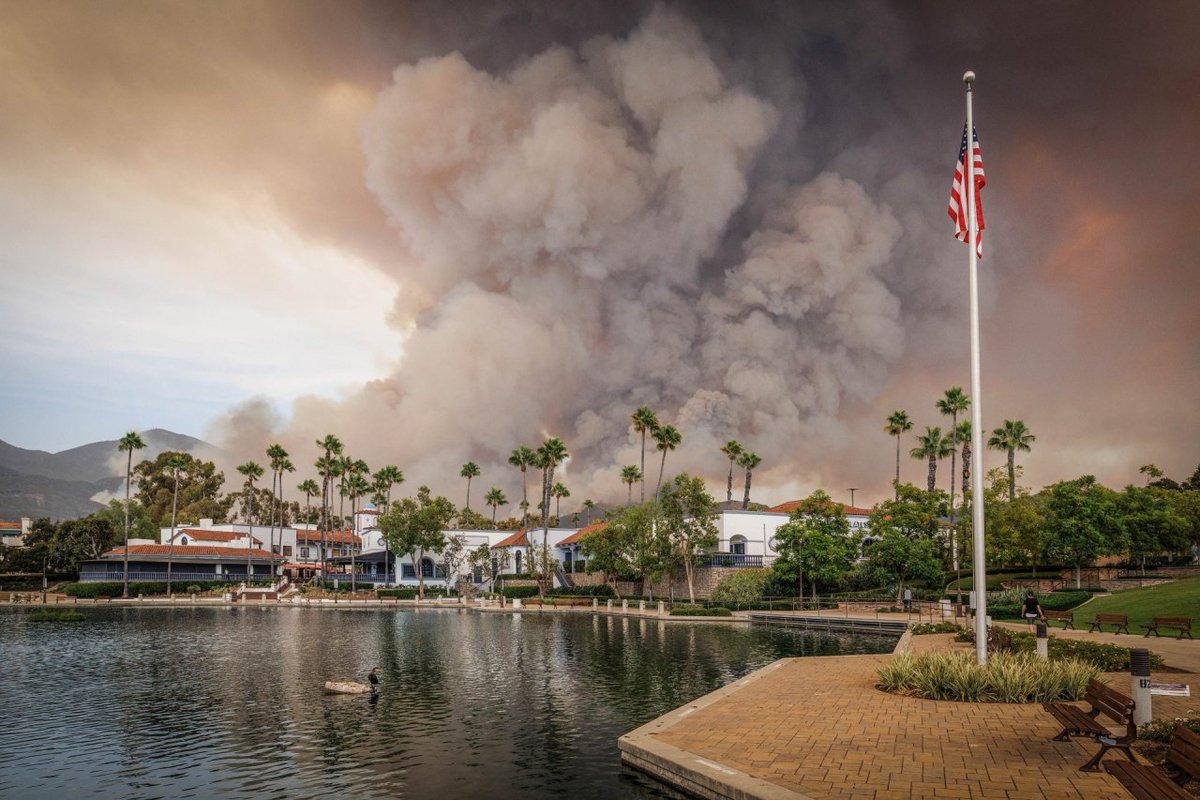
x=853, y=489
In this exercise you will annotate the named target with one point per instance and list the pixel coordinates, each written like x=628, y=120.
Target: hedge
x=690, y=610
x=1050, y=601
x=410, y=593
x=598, y=590
x=512, y=592
x=114, y=588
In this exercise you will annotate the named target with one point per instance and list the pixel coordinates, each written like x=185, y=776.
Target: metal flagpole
x=979, y=578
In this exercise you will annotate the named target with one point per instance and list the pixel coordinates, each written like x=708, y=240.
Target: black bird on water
x=373, y=679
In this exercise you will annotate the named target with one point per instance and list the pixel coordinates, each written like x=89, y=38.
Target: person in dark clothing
x=1032, y=609
x=373, y=679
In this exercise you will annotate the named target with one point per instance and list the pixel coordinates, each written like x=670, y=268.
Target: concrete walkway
x=818, y=728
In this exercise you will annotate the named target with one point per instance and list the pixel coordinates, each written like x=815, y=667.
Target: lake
x=228, y=702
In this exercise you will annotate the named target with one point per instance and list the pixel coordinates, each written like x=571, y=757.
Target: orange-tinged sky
x=204, y=203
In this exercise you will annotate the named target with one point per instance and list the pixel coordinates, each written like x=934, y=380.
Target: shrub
x=193, y=589
x=1005, y=678
x=55, y=615
x=922, y=628
x=741, y=586
x=1159, y=730
x=1104, y=657
x=411, y=592
x=596, y=590
x=113, y=588
x=512, y=592
x=692, y=610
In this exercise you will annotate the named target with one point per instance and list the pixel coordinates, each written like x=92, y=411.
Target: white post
x=979, y=578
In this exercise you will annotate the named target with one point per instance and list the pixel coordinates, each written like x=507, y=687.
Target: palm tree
x=276, y=455
x=326, y=468
x=1012, y=436
x=748, y=461
x=932, y=445
x=552, y=453
x=962, y=432
x=252, y=471
x=588, y=505
x=356, y=487
x=128, y=443
x=950, y=405
x=387, y=477
x=175, y=462
x=644, y=420
x=559, y=491
x=630, y=474
x=469, y=470
x=495, y=498
x=522, y=458
x=668, y=438
x=732, y=449
x=308, y=488
x=898, y=423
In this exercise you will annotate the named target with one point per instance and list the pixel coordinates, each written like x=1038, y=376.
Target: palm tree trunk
x=643, y=465
x=932, y=472
x=629, y=502
x=662, y=465
x=468, y=493
x=420, y=573
x=953, y=461
x=274, y=508
x=966, y=470
x=494, y=507
x=897, y=466
x=746, y=497
x=729, y=487
x=171, y=547
x=1012, y=475
x=128, y=480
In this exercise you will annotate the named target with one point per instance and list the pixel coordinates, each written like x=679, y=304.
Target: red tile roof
x=792, y=505
x=344, y=537
x=13, y=526
x=575, y=537
x=517, y=539
x=188, y=551
x=209, y=535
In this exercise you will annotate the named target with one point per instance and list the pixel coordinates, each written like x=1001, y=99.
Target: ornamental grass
x=1005, y=678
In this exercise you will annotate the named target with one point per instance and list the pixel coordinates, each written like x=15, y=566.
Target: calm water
x=227, y=703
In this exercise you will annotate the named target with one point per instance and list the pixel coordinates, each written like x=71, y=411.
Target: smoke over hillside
x=580, y=235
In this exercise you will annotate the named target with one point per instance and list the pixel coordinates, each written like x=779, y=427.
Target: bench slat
x=1144, y=782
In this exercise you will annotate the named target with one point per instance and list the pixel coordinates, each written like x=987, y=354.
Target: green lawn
x=1179, y=598
x=994, y=579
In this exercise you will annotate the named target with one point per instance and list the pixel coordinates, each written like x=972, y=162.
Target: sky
x=443, y=229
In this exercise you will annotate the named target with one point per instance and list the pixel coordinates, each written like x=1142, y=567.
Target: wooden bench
x=569, y=601
x=1068, y=618
x=1146, y=782
x=1075, y=721
x=1121, y=621
x=1182, y=624
x=100, y=597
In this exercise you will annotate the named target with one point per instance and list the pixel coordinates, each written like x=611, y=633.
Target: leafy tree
x=1151, y=523
x=897, y=424
x=933, y=446
x=816, y=540
x=749, y=462
x=1082, y=523
x=953, y=403
x=127, y=444
x=466, y=519
x=451, y=556
x=1011, y=437
x=1151, y=471
x=199, y=490
x=488, y=562
x=732, y=449
x=414, y=526
x=897, y=556
x=469, y=470
x=630, y=475
x=668, y=438
x=140, y=524
x=689, y=523
x=644, y=421
x=609, y=549
x=61, y=547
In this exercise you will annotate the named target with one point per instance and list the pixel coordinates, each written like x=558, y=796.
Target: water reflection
x=228, y=703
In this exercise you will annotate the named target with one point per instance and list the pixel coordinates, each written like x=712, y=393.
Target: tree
x=932, y=445
x=490, y=563
x=630, y=475
x=328, y=466
x=962, y=432
x=559, y=491
x=816, y=540
x=495, y=498
x=732, y=449
x=951, y=404
x=898, y=423
x=1151, y=524
x=387, y=477
x=175, y=463
x=199, y=492
x=633, y=544
x=644, y=421
x=356, y=486
x=608, y=550
x=668, y=438
x=552, y=453
x=308, y=487
x=522, y=458
x=451, y=556
x=1011, y=437
x=748, y=461
x=61, y=547
x=588, y=505
x=128, y=443
x=1081, y=522
x=1151, y=471
x=252, y=472
x=908, y=528
x=688, y=522
x=469, y=470
x=413, y=526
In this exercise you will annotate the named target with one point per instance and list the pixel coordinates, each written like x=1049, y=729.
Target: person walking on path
x=1032, y=609
x=907, y=599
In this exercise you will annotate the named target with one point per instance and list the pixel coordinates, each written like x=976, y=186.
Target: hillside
x=38, y=496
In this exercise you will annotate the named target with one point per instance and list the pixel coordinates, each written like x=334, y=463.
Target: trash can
x=946, y=610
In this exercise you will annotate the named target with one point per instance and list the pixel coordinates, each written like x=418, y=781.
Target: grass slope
x=1179, y=598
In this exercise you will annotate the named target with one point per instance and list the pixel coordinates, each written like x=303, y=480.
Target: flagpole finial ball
x=968, y=77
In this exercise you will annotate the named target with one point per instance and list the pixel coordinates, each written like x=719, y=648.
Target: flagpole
x=979, y=578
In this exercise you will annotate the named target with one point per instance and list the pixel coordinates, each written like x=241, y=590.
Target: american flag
x=958, y=205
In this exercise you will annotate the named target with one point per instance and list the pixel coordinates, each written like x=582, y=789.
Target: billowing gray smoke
x=565, y=257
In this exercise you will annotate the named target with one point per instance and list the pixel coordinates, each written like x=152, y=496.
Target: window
x=518, y=560
x=287, y=549
x=427, y=567
x=304, y=552
x=183, y=540
x=737, y=545
x=407, y=571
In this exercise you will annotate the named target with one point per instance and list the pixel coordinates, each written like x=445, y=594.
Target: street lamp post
x=853, y=489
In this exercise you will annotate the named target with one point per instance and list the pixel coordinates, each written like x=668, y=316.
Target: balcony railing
x=161, y=575
x=730, y=560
